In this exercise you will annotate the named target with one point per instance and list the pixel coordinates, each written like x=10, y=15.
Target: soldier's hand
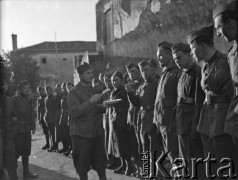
x=95, y=98
x=105, y=105
x=33, y=131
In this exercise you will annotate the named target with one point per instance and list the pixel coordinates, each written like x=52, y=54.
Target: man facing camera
x=87, y=139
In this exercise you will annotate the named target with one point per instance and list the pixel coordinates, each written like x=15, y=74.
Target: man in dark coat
x=86, y=132
x=144, y=99
x=40, y=115
x=166, y=100
x=189, y=104
x=217, y=84
x=132, y=119
x=63, y=123
x=8, y=132
x=25, y=125
x=50, y=114
x=225, y=22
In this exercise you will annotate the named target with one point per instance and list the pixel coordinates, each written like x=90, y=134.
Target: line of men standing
x=189, y=112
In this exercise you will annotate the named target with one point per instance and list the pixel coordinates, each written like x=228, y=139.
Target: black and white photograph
x=118, y=89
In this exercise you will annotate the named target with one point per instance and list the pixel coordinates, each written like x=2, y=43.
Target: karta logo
x=179, y=168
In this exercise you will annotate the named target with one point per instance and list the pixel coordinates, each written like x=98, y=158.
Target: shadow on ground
x=44, y=174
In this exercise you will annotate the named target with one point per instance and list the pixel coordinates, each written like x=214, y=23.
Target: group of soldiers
x=187, y=112
x=53, y=117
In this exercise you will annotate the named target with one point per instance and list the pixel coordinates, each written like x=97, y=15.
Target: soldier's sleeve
x=38, y=109
x=134, y=98
x=199, y=99
x=33, y=115
x=77, y=108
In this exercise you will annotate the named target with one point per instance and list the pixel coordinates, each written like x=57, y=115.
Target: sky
x=36, y=21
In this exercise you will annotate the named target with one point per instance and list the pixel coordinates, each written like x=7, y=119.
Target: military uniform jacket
x=83, y=121
x=231, y=124
x=133, y=110
x=217, y=85
x=190, y=101
x=41, y=108
x=50, y=109
x=64, y=118
x=145, y=100
x=24, y=111
x=166, y=97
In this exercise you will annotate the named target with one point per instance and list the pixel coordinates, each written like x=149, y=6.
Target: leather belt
x=186, y=100
x=147, y=107
x=217, y=99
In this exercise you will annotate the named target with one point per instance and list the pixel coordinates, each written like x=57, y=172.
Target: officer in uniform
x=132, y=119
x=25, y=125
x=87, y=140
x=189, y=104
x=217, y=84
x=40, y=115
x=225, y=22
x=166, y=100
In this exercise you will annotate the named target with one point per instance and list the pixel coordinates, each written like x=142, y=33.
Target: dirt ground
x=54, y=166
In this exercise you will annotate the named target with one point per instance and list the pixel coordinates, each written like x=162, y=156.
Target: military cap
x=57, y=86
x=107, y=76
x=82, y=68
x=118, y=74
x=164, y=44
x=225, y=7
x=23, y=83
x=131, y=65
x=145, y=63
x=180, y=47
x=202, y=32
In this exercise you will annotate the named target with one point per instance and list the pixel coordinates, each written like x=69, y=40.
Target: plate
x=112, y=101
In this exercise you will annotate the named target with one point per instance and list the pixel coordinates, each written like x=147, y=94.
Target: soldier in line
x=58, y=128
x=25, y=126
x=69, y=153
x=132, y=119
x=8, y=132
x=144, y=99
x=189, y=104
x=225, y=22
x=88, y=144
x=50, y=111
x=166, y=100
x=64, y=118
x=112, y=161
x=119, y=137
x=40, y=115
x=217, y=84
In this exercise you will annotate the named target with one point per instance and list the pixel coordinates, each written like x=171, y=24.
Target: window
x=43, y=60
x=64, y=59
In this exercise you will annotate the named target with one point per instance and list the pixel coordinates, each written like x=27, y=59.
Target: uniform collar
x=170, y=66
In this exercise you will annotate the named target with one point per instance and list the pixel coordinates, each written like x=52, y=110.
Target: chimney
x=14, y=42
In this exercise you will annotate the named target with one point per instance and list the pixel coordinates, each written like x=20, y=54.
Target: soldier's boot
x=47, y=145
x=102, y=175
x=129, y=167
x=26, y=172
x=83, y=176
x=122, y=168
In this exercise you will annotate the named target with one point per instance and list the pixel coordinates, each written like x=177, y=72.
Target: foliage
x=17, y=66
